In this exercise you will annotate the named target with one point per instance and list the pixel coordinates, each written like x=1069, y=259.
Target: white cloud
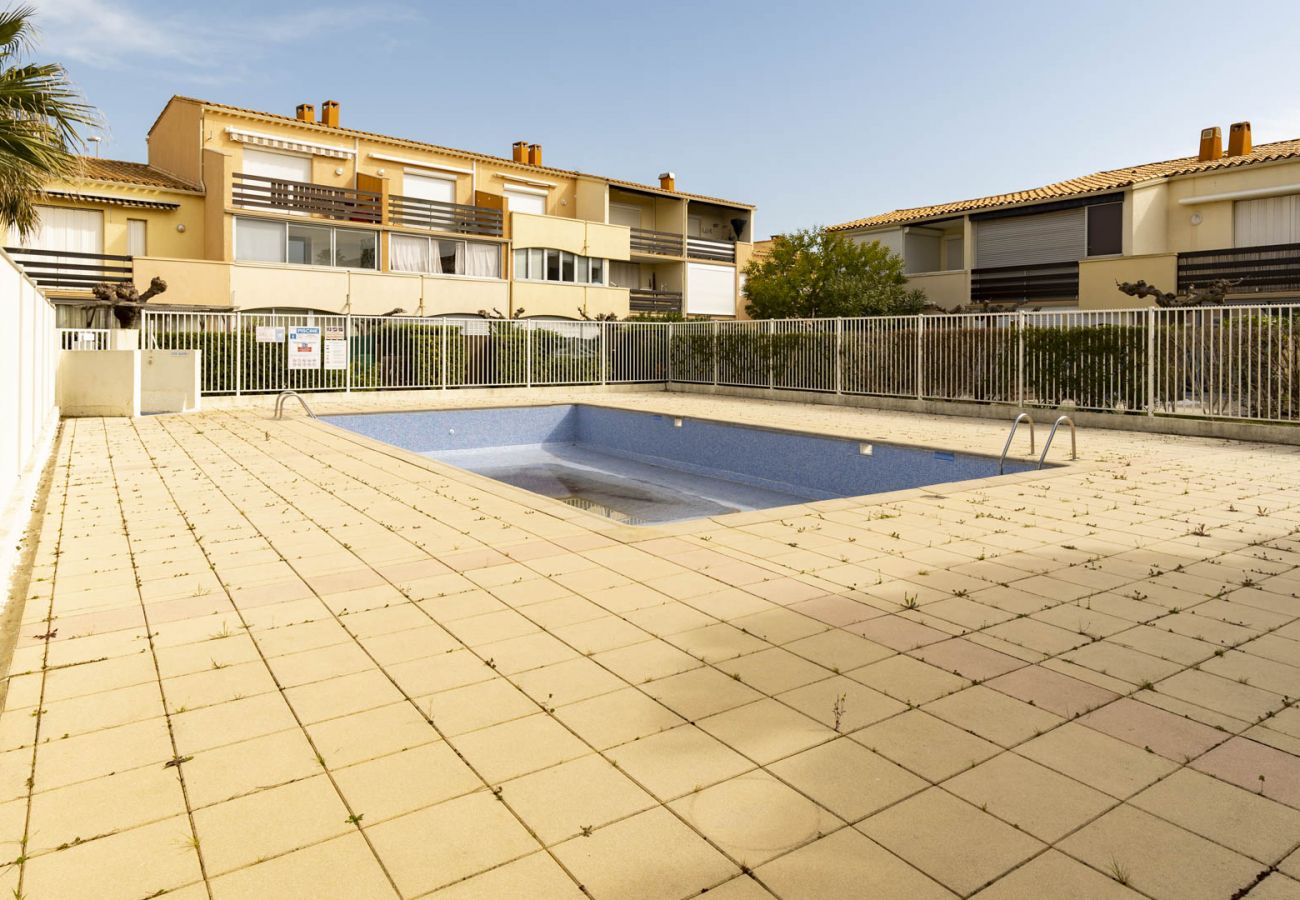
x=112, y=34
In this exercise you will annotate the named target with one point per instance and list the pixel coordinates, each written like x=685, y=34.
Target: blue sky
x=817, y=112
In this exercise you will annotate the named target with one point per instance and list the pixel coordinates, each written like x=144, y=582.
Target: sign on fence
x=336, y=354
x=304, y=347
x=270, y=334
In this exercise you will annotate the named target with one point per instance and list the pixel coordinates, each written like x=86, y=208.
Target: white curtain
x=483, y=260
x=61, y=228
x=259, y=241
x=408, y=253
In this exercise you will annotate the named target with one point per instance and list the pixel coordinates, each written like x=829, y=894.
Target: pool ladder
x=1026, y=417
x=285, y=395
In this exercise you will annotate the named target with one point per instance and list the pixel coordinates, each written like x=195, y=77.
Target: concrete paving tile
x=517, y=747
x=1098, y=760
x=774, y=670
x=536, y=875
x=950, y=840
x=341, y=696
x=338, y=869
x=717, y=642
x=285, y=818
x=1276, y=887
x=611, y=863
x=847, y=778
x=1146, y=726
x=231, y=770
x=1057, y=693
x=1014, y=789
x=441, y=672
x=99, y=806
x=677, y=761
x=854, y=705
x=567, y=682
x=908, y=680
x=1159, y=859
x=137, y=863
x=1251, y=765
x=846, y=864
x=754, y=817
x=766, y=730
x=699, y=693
x=926, y=745
x=405, y=781
x=63, y=761
x=839, y=651
x=375, y=732
x=617, y=717
x=1069, y=880
x=560, y=802
x=967, y=659
x=476, y=706
x=229, y=723
x=442, y=844
x=1239, y=819
x=993, y=716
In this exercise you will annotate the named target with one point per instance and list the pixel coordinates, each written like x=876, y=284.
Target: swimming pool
x=650, y=468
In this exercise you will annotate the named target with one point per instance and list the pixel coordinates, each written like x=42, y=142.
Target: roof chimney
x=520, y=151
x=329, y=113
x=535, y=154
x=306, y=112
x=1239, y=139
x=668, y=181
x=1211, y=144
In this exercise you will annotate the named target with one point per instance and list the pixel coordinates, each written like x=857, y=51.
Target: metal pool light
x=677, y=423
x=865, y=449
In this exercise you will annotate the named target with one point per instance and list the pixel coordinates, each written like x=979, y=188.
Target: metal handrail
x=1006, y=448
x=1074, y=445
x=285, y=395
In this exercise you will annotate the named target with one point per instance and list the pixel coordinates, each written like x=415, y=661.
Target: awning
x=279, y=142
x=131, y=202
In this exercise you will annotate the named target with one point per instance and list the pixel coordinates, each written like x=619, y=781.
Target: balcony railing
x=703, y=248
x=644, y=300
x=63, y=270
x=1258, y=269
x=1019, y=284
x=440, y=216
x=344, y=204
x=658, y=243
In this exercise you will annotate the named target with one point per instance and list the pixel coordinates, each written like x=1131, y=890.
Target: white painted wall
x=28, y=415
x=99, y=383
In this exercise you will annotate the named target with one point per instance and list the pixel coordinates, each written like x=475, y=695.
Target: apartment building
x=1221, y=214
x=238, y=208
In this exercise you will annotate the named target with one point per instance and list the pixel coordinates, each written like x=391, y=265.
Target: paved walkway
x=272, y=659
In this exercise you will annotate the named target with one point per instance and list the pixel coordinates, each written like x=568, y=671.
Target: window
x=259, y=240
x=526, y=200
x=309, y=245
x=136, y=242
x=62, y=228
x=1105, y=229
x=412, y=253
x=429, y=187
x=558, y=265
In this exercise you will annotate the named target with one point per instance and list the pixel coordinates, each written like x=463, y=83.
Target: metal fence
x=1220, y=362
x=83, y=338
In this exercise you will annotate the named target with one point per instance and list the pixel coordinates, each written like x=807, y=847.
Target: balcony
x=1258, y=269
x=303, y=198
x=656, y=243
x=441, y=216
x=644, y=300
x=703, y=248
x=1021, y=284
x=62, y=270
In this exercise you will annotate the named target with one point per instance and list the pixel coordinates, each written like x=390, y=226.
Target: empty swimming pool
x=644, y=467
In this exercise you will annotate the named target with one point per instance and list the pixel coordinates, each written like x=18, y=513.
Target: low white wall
x=99, y=383
x=170, y=380
x=28, y=414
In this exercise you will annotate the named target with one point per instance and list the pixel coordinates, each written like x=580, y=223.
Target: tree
x=815, y=273
x=40, y=111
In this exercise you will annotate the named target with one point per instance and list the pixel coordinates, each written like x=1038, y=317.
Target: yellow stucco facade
x=1180, y=223
x=223, y=183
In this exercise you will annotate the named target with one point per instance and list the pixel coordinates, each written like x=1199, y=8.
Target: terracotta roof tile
x=1099, y=181
x=93, y=168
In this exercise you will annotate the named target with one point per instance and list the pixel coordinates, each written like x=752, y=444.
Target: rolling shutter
x=429, y=187
x=1270, y=220
x=710, y=290
x=526, y=201
x=1059, y=236
x=280, y=166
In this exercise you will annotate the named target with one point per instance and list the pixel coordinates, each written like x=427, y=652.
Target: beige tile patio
x=338, y=869
x=612, y=862
x=1016, y=790
x=1069, y=880
x=677, y=761
x=847, y=778
x=585, y=793
x=926, y=745
x=950, y=840
x=402, y=782
x=846, y=864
